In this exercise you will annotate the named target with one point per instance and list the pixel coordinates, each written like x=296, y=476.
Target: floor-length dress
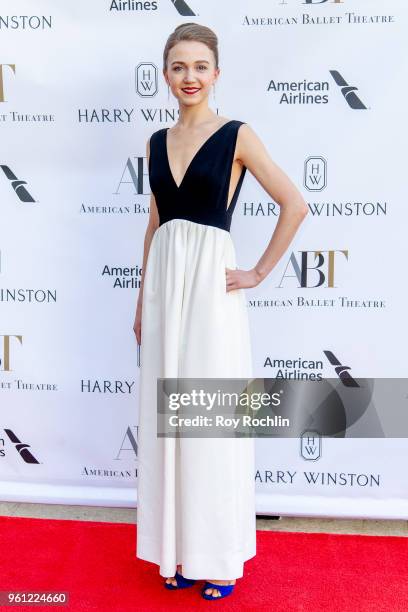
x=195, y=496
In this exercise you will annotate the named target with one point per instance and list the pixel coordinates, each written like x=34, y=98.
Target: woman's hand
x=137, y=326
x=241, y=279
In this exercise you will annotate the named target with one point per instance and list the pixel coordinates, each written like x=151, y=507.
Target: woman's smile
x=190, y=90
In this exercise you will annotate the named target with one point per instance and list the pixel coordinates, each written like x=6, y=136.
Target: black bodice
x=202, y=195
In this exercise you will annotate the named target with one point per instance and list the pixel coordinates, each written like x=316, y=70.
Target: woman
x=196, y=496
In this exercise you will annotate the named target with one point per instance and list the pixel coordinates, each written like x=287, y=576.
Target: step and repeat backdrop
x=81, y=90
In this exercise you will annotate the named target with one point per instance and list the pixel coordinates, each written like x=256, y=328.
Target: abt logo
x=5, y=354
x=128, y=447
x=311, y=264
x=2, y=66
x=134, y=174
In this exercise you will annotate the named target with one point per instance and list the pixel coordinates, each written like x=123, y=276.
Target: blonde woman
x=196, y=496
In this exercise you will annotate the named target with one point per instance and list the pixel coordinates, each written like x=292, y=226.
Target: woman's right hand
x=137, y=326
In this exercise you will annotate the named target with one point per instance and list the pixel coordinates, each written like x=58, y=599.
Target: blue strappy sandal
x=224, y=589
x=182, y=582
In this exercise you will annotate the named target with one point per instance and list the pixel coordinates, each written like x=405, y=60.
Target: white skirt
x=196, y=496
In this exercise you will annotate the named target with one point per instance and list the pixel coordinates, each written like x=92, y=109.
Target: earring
x=214, y=91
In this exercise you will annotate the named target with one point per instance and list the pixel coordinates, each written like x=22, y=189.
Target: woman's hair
x=192, y=31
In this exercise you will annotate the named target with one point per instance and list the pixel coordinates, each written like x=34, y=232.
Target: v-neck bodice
x=202, y=195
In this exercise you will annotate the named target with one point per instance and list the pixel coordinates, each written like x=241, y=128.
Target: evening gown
x=195, y=496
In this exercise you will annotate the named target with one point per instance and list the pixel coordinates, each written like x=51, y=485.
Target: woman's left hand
x=241, y=279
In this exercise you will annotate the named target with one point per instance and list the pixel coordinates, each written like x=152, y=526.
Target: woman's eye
x=202, y=67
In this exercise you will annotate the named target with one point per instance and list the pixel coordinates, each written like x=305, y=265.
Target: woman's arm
x=293, y=208
x=152, y=226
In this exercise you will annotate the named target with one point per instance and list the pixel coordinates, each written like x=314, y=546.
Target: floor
x=285, y=523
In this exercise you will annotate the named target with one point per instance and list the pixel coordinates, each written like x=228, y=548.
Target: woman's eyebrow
x=196, y=61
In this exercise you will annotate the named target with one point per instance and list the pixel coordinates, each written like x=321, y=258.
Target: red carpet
x=96, y=564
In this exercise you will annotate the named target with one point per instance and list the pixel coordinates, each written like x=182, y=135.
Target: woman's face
x=190, y=71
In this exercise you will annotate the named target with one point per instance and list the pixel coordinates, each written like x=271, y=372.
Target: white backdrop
x=81, y=90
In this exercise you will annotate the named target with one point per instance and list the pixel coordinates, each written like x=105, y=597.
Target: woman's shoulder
x=242, y=122
x=232, y=121
x=153, y=138
x=156, y=133
x=239, y=126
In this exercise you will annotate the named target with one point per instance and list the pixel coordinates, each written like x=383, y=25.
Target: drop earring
x=214, y=91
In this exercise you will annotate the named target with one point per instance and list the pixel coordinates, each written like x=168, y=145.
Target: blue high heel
x=182, y=582
x=224, y=589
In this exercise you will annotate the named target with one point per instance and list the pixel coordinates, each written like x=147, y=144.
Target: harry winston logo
x=311, y=445
x=146, y=81
x=315, y=178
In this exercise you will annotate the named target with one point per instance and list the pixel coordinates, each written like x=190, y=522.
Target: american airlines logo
x=341, y=370
x=315, y=2
x=133, y=5
x=17, y=185
x=348, y=91
x=21, y=447
x=182, y=8
x=307, y=91
x=311, y=440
